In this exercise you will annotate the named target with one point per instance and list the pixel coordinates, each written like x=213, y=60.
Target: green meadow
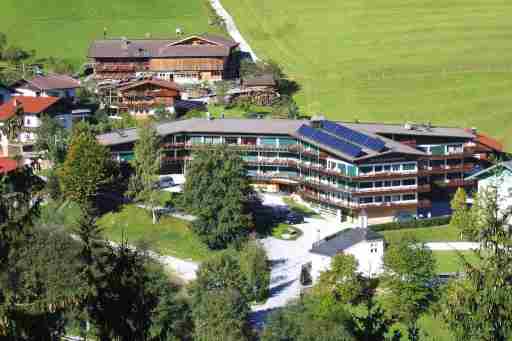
x=65, y=28
x=444, y=61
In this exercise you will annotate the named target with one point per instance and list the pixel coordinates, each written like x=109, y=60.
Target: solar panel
x=354, y=136
x=330, y=141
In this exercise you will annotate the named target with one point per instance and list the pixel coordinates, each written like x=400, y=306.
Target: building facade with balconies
x=343, y=169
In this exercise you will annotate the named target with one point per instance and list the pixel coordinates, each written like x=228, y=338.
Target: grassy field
x=65, y=28
x=169, y=237
x=431, y=234
x=449, y=261
x=447, y=62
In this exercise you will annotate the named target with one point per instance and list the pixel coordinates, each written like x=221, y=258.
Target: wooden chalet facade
x=144, y=97
x=188, y=60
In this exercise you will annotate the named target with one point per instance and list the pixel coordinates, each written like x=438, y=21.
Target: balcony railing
x=243, y=147
x=466, y=167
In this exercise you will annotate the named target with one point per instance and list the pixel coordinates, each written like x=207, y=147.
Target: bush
x=419, y=223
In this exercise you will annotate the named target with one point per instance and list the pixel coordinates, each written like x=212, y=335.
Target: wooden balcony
x=386, y=175
x=466, y=167
x=385, y=191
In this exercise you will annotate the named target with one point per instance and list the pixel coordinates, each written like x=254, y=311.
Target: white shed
x=364, y=244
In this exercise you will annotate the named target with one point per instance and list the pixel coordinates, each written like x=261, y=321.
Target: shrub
x=419, y=223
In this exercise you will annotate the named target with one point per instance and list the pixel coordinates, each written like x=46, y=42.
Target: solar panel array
x=354, y=136
x=330, y=141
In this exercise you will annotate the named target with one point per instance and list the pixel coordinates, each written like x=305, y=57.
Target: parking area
x=287, y=258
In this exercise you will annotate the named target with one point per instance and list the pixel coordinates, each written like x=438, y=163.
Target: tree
x=255, y=268
x=52, y=140
x=217, y=191
x=16, y=54
x=459, y=219
x=410, y=270
x=221, y=91
x=478, y=306
x=85, y=168
x=13, y=126
x=222, y=316
x=147, y=168
x=341, y=281
x=308, y=320
x=163, y=114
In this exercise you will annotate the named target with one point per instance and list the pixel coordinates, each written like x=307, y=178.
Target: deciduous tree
x=478, y=306
x=410, y=270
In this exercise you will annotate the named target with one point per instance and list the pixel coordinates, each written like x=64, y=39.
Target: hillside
x=65, y=28
x=442, y=61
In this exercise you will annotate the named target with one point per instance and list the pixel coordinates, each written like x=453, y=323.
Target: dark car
x=403, y=217
x=293, y=218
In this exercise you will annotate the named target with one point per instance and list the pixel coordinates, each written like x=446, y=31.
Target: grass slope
x=65, y=28
x=445, y=233
x=441, y=61
x=170, y=236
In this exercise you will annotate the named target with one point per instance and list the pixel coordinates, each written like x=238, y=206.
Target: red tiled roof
x=489, y=142
x=7, y=165
x=31, y=105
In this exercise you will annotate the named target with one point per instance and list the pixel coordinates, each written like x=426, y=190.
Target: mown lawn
x=449, y=261
x=64, y=29
x=447, y=62
x=444, y=233
x=299, y=208
x=170, y=236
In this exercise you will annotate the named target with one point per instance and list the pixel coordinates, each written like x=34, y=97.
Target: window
x=373, y=248
x=409, y=166
x=395, y=198
x=387, y=168
x=395, y=168
x=365, y=185
x=366, y=200
x=231, y=140
x=409, y=182
x=377, y=184
x=378, y=199
x=409, y=197
x=396, y=183
x=378, y=169
x=387, y=183
x=365, y=169
x=387, y=198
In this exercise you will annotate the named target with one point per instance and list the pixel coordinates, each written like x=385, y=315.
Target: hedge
x=417, y=223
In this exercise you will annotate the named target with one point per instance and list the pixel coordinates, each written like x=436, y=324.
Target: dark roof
x=51, y=82
x=157, y=82
x=410, y=129
x=262, y=80
x=251, y=127
x=161, y=48
x=343, y=240
x=501, y=165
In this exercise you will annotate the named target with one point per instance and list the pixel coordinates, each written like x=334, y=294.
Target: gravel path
x=452, y=246
x=287, y=258
x=232, y=29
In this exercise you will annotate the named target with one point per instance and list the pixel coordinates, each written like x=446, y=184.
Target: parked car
x=166, y=182
x=293, y=218
x=403, y=217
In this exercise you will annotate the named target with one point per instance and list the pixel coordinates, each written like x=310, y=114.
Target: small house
x=146, y=96
x=52, y=85
x=364, y=244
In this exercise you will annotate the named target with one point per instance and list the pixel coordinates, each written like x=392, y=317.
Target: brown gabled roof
x=161, y=48
x=157, y=82
x=52, y=82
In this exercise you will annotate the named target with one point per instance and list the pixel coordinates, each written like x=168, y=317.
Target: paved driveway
x=287, y=257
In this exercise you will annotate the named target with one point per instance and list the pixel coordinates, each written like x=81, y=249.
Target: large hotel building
x=349, y=170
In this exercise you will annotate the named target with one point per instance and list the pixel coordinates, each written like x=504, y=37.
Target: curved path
x=452, y=246
x=232, y=29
